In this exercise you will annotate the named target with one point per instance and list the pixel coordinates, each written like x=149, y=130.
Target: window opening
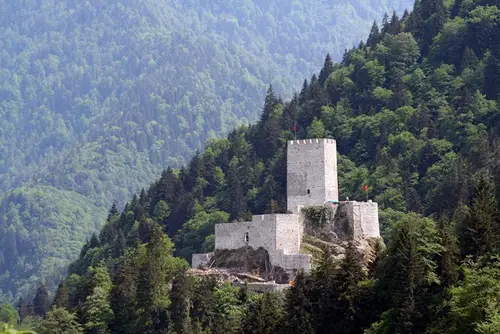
x=246, y=237
x=309, y=191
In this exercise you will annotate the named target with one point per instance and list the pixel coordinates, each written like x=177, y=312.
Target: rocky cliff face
x=330, y=227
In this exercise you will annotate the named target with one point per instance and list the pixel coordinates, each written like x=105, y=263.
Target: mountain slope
x=417, y=123
x=96, y=98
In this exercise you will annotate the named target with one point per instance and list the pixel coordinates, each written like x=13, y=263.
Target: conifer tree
x=120, y=243
x=374, y=36
x=272, y=312
x=60, y=321
x=326, y=70
x=94, y=241
x=395, y=24
x=264, y=315
x=433, y=13
x=234, y=202
x=290, y=114
x=324, y=294
x=61, y=298
x=96, y=311
x=351, y=271
x=479, y=231
x=269, y=103
x=304, y=92
x=154, y=277
x=405, y=16
x=30, y=308
x=409, y=272
x=203, y=312
x=22, y=309
x=455, y=9
x=449, y=259
x=492, y=76
x=386, y=25
x=167, y=188
x=142, y=197
x=124, y=297
x=349, y=275
x=268, y=195
x=181, y=295
x=469, y=59
x=112, y=212
x=254, y=322
x=41, y=302
x=298, y=317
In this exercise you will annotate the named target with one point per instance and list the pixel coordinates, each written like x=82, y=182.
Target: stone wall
x=311, y=172
x=279, y=234
x=265, y=287
x=261, y=232
x=289, y=233
x=271, y=232
x=198, y=260
x=363, y=217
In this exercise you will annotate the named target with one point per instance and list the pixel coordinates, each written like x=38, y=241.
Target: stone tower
x=311, y=173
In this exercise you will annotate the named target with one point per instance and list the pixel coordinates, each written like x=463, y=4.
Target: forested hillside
x=415, y=114
x=96, y=98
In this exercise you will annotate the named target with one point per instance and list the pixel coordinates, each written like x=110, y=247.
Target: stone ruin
x=289, y=239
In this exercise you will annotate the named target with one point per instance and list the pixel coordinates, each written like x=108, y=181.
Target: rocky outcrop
x=330, y=227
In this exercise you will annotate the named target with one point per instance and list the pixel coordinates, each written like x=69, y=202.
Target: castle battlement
x=311, y=141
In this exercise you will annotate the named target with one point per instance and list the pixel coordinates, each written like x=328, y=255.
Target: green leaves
x=318, y=216
x=408, y=274
x=97, y=312
x=60, y=321
x=8, y=314
x=474, y=300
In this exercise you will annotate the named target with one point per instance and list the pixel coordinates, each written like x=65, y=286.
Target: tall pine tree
x=41, y=302
x=479, y=233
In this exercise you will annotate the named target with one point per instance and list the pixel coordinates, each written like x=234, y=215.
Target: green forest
x=415, y=113
x=97, y=97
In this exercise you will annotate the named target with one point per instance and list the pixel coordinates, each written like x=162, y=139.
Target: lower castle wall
x=198, y=260
x=266, y=287
x=261, y=233
x=290, y=262
x=279, y=234
x=363, y=217
x=274, y=231
x=289, y=229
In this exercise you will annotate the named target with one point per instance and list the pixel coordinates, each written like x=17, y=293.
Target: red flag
x=294, y=128
x=365, y=188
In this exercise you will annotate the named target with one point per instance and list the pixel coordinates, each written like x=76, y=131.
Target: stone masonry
x=363, y=217
x=311, y=173
x=311, y=180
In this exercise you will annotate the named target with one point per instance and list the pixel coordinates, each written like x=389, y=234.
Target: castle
x=311, y=181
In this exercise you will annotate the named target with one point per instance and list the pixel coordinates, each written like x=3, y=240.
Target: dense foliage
x=413, y=120
x=97, y=97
